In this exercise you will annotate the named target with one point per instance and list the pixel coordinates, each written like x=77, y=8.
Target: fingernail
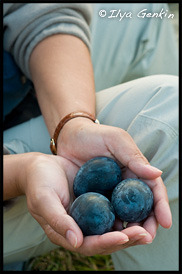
x=123, y=241
x=142, y=234
x=148, y=243
x=126, y=240
x=71, y=237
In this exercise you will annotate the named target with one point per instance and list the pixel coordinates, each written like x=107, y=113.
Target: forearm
x=62, y=73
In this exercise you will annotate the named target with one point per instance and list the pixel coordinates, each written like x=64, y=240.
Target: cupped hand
x=48, y=194
x=81, y=140
x=49, y=191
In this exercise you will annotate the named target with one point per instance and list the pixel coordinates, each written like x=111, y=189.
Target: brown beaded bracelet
x=53, y=144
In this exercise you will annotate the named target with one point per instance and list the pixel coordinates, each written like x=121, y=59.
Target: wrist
x=27, y=164
x=14, y=179
x=79, y=116
x=73, y=135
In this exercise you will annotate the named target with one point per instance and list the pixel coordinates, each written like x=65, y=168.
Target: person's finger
x=161, y=205
x=113, y=241
x=136, y=232
x=133, y=224
x=127, y=173
x=136, y=235
x=118, y=224
x=92, y=245
x=57, y=218
x=151, y=225
x=123, y=148
x=102, y=244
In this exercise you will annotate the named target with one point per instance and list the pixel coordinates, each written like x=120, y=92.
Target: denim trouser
x=146, y=107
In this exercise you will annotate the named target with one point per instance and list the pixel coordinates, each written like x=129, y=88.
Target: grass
x=64, y=260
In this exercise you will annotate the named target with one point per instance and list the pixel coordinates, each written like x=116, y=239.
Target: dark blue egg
x=93, y=213
x=100, y=174
x=132, y=200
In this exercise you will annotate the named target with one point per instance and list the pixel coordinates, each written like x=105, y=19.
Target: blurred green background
x=61, y=259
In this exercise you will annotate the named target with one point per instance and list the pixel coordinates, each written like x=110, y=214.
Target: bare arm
x=62, y=73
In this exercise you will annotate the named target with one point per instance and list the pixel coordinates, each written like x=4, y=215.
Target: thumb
x=57, y=224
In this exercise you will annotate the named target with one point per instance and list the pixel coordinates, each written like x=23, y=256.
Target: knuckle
x=136, y=156
x=123, y=132
x=33, y=204
x=55, y=223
